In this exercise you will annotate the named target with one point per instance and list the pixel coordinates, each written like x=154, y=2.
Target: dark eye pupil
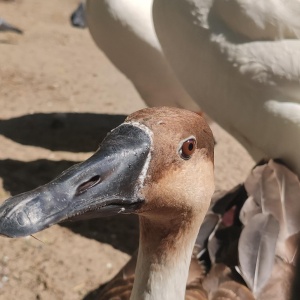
x=188, y=148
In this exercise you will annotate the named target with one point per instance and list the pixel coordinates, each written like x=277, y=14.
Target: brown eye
x=188, y=148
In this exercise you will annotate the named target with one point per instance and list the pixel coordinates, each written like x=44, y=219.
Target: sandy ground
x=59, y=95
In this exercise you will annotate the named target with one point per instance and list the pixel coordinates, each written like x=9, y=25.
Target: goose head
x=158, y=163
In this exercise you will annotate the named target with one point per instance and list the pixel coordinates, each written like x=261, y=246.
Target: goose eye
x=188, y=148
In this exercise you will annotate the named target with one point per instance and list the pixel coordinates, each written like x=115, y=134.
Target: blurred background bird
x=4, y=26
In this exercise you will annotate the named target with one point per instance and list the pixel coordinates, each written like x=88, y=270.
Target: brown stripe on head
x=170, y=126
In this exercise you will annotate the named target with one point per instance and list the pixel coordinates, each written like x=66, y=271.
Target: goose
x=124, y=31
x=159, y=164
x=240, y=62
x=141, y=167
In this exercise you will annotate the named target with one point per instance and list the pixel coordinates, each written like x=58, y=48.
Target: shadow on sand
x=67, y=132
x=73, y=132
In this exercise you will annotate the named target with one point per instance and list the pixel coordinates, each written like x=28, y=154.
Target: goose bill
x=106, y=184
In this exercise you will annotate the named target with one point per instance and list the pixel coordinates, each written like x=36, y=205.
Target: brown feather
x=220, y=284
x=279, y=284
x=232, y=290
x=119, y=288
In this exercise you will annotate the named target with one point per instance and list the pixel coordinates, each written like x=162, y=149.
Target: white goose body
x=134, y=14
x=124, y=31
x=240, y=61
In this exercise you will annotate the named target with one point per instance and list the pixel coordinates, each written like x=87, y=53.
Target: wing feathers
x=257, y=250
x=274, y=189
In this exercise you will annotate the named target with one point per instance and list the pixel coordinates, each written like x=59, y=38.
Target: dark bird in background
x=4, y=26
x=78, y=16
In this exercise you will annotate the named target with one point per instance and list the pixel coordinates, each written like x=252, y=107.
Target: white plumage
x=239, y=60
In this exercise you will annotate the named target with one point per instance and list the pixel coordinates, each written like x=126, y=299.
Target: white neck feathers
x=163, y=260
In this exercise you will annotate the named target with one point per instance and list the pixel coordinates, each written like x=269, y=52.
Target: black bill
x=106, y=184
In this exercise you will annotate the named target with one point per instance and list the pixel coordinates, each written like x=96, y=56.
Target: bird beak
x=106, y=184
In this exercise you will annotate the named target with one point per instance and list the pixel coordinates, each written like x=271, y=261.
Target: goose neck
x=164, y=256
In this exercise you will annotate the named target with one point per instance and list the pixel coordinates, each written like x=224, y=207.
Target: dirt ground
x=59, y=95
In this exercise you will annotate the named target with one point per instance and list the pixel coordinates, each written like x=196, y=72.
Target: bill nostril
x=22, y=219
x=88, y=184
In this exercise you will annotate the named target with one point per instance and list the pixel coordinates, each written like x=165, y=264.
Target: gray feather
x=253, y=184
x=254, y=190
x=257, y=251
x=281, y=198
x=250, y=209
x=214, y=244
x=209, y=223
